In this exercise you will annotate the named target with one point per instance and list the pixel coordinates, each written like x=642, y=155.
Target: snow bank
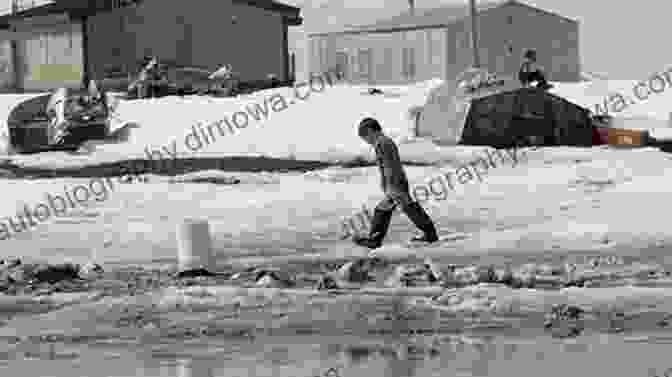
x=321, y=127
x=272, y=123
x=655, y=107
x=275, y=123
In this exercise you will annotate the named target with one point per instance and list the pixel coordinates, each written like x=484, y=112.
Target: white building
x=437, y=43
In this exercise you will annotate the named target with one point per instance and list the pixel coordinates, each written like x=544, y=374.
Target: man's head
x=369, y=129
x=154, y=63
x=531, y=55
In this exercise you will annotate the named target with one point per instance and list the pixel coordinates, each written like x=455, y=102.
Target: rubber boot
x=421, y=219
x=143, y=91
x=541, y=81
x=379, y=225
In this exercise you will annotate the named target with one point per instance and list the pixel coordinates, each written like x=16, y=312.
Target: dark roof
x=43, y=10
x=271, y=5
x=290, y=13
x=80, y=8
x=74, y=9
x=429, y=18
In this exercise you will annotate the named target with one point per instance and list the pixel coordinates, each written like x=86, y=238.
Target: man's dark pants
x=384, y=210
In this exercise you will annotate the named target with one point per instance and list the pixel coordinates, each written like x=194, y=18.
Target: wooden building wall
x=201, y=33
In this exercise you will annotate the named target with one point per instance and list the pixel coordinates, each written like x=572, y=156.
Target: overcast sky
x=622, y=38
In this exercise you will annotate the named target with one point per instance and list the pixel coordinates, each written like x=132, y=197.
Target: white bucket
x=194, y=368
x=194, y=246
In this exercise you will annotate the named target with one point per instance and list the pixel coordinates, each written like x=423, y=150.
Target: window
x=64, y=43
x=435, y=44
x=428, y=38
x=324, y=61
x=408, y=62
x=453, y=45
x=413, y=36
x=314, y=57
x=364, y=60
x=509, y=20
x=318, y=54
x=388, y=63
x=45, y=46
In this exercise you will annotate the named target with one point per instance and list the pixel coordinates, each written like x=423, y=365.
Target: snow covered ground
x=556, y=201
x=564, y=190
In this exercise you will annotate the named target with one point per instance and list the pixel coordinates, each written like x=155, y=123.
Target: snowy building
x=65, y=42
x=437, y=43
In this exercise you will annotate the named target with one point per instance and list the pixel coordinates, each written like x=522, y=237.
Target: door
x=385, y=67
x=364, y=60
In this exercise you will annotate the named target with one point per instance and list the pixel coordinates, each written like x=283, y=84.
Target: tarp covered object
x=479, y=108
x=527, y=115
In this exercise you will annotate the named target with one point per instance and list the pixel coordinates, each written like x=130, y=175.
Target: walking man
x=395, y=187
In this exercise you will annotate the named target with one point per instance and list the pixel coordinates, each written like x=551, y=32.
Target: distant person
x=150, y=79
x=531, y=72
x=96, y=101
x=395, y=187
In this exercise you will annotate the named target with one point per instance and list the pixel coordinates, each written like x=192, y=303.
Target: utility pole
x=474, y=33
x=16, y=61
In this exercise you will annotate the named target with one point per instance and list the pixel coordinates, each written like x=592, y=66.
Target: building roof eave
x=294, y=21
x=271, y=5
x=78, y=9
x=381, y=30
